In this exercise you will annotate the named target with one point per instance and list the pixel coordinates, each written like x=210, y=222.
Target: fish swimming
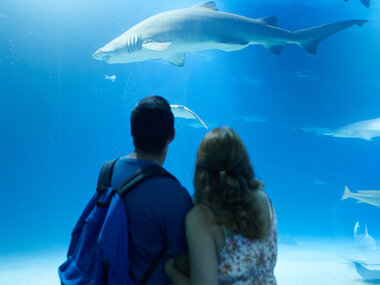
x=364, y=2
x=371, y=197
x=365, y=130
x=180, y=111
x=171, y=34
x=112, y=77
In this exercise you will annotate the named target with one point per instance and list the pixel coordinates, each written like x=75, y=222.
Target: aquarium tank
x=299, y=81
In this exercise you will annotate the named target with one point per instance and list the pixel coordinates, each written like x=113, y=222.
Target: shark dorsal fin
x=271, y=20
x=209, y=5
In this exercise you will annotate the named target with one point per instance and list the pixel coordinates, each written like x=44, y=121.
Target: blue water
x=61, y=120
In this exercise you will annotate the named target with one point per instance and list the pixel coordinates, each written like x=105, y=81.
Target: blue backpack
x=98, y=251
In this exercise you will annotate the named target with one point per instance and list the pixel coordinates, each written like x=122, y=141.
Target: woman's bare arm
x=202, y=248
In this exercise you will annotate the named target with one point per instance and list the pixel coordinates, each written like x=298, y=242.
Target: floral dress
x=244, y=261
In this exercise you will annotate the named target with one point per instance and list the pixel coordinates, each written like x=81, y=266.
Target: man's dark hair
x=152, y=124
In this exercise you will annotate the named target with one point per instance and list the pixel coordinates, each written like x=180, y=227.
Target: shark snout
x=101, y=55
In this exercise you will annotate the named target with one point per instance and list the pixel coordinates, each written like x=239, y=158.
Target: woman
x=232, y=229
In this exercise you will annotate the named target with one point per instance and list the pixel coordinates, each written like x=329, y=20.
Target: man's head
x=152, y=124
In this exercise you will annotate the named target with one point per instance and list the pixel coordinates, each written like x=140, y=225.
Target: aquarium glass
x=309, y=117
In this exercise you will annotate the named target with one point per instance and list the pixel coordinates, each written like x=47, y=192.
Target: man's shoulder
x=168, y=184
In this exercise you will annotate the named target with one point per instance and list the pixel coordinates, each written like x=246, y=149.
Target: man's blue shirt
x=156, y=211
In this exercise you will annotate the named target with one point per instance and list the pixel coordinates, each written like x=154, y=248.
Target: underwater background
x=61, y=119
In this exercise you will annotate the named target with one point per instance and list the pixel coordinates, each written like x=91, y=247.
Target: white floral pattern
x=243, y=261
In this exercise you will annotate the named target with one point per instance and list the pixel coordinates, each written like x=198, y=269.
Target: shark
x=181, y=111
x=366, y=130
x=371, y=197
x=366, y=3
x=170, y=35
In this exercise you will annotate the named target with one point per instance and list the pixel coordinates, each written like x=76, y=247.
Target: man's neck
x=143, y=155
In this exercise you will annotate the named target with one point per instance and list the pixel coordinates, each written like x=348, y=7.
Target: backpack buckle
x=104, y=196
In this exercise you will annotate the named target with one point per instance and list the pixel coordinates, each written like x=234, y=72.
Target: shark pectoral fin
x=276, y=49
x=209, y=5
x=271, y=21
x=177, y=59
x=366, y=137
x=157, y=46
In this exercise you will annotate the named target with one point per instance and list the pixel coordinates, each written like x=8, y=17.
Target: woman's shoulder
x=201, y=214
x=267, y=210
x=201, y=222
x=259, y=195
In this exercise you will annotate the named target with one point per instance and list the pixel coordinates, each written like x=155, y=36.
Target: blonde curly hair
x=224, y=181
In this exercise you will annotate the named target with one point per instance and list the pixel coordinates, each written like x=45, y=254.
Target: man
x=156, y=208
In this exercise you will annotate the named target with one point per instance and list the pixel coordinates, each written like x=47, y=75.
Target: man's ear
x=171, y=138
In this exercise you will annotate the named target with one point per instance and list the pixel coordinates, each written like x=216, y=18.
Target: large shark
x=365, y=130
x=169, y=35
x=363, y=196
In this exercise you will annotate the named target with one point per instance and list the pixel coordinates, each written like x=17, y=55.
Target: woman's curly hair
x=224, y=181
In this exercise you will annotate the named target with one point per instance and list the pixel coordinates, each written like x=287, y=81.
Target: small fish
x=180, y=111
x=371, y=197
x=112, y=77
x=364, y=2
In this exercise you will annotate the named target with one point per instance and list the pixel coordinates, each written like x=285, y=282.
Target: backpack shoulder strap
x=127, y=186
x=105, y=175
x=141, y=175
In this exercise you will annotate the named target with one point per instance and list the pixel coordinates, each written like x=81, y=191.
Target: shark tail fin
x=347, y=193
x=309, y=39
